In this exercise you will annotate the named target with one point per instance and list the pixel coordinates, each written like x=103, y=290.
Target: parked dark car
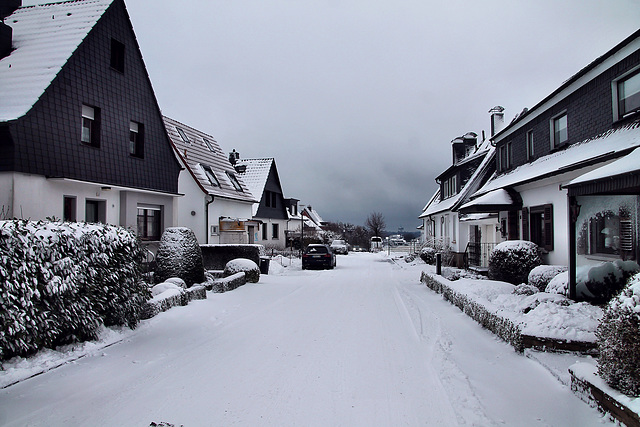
x=318, y=256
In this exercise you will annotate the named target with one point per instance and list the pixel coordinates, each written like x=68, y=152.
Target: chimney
x=7, y=7
x=497, y=119
x=234, y=157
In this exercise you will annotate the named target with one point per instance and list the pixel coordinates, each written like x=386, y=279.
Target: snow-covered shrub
x=525, y=289
x=250, y=269
x=60, y=281
x=541, y=275
x=217, y=256
x=428, y=254
x=600, y=283
x=619, y=340
x=452, y=274
x=511, y=261
x=179, y=255
x=559, y=284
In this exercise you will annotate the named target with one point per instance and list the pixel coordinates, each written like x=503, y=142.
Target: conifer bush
x=179, y=255
x=619, y=340
x=511, y=261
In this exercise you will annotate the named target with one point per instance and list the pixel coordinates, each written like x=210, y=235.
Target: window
x=234, y=181
x=559, y=135
x=208, y=144
x=450, y=187
x=275, y=231
x=540, y=225
x=95, y=211
x=90, y=126
x=504, y=157
x=149, y=222
x=183, y=135
x=270, y=199
x=117, y=55
x=69, y=211
x=627, y=96
x=265, y=235
x=211, y=175
x=214, y=230
x=530, y=145
x=136, y=139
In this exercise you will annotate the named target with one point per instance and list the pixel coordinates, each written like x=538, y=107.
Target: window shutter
x=525, y=223
x=548, y=227
x=512, y=225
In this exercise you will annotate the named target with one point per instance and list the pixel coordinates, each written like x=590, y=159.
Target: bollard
x=439, y=264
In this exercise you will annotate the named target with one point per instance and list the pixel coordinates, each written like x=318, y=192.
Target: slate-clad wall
x=46, y=141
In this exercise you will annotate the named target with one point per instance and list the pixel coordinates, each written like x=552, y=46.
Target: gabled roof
x=314, y=216
x=436, y=205
x=202, y=152
x=607, y=146
x=44, y=38
x=256, y=174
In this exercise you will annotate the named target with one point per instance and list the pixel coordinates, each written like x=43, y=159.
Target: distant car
x=318, y=256
x=340, y=247
x=376, y=244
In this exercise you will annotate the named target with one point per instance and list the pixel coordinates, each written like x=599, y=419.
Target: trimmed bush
x=511, y=261
x=179, y=255
x=428, y=254
x=60, y=281
x=559, y=284
x=619, y=340
x=217, y=256
x=600, y=283
x=250, y=269
x=541, y=275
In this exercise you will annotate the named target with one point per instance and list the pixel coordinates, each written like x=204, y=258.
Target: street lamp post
x=301, y=229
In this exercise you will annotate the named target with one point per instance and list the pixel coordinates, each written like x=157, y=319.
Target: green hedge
x=59, y=282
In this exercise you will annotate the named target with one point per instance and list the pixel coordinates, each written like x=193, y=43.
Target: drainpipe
x=208, y=199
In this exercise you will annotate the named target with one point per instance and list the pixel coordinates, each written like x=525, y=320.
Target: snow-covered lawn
x=362, y=345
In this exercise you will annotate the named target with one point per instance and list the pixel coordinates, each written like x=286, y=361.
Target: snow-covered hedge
x=511, y=261
x=559, y=284
x=60, y=281
x=217, y=256
x=619, y=340
x=541, y=275
x=179, y=255
x=428, y=254
x=248, y=267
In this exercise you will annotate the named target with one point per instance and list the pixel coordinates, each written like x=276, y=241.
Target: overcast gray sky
x=358, y=100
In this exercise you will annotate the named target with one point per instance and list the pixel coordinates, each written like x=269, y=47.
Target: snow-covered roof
x=314, y=216
x=628, y=164
x=44, y=38
x=499, y=197
x=436, y=205
x=602, y=147
x=256, y=174
x=202, y=151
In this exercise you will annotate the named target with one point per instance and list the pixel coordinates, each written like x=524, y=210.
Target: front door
x=250, y=232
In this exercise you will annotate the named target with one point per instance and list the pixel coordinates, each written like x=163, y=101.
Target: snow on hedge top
x=44, y=38
x=513, y=245
x=629, y=299
x=241, y=264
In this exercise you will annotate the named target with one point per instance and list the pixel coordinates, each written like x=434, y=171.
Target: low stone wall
x=172, y=298
x=501, y=326
x=586, y=384
x=229, y=283
x=215, y=257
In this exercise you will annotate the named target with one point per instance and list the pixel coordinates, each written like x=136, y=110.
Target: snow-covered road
x=362, y=345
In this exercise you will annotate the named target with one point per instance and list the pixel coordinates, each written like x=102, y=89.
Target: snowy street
x=362, y=345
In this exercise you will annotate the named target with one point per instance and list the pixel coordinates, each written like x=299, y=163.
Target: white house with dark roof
x=81, y=133
x=216, y=204
x=261, y=177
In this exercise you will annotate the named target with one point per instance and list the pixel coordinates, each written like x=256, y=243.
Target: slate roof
x=44, y=38
x=197, y=154
x=609, y=145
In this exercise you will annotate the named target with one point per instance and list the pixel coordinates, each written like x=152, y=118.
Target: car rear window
x=316, y=250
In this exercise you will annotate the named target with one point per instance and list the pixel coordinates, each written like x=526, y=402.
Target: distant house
x=216, y=203
x=261, y=177
x=443, y=228
x=545, y=189
x=81, y=134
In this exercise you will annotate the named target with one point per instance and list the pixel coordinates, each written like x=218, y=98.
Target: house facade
x=443, y=227
x=261, y=177
x=81, y=134
x=588, y=122
x=216, y=203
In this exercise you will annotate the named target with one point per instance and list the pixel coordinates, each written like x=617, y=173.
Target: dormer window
x=211, y=176
x=234, y=181
x=450, y=187
x=183, y=135
x=504, y=157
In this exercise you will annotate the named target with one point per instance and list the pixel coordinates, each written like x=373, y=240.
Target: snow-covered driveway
x=362, y=345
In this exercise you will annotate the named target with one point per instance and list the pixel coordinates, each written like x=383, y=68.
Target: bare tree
x=375, y=223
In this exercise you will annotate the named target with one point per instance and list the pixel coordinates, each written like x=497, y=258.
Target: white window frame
x=552, y=130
